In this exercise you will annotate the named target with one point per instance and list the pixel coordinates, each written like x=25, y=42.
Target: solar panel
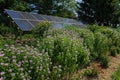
x=26, y=21
x=14, y=14
x=34, y=23
x=23, y=25
x=39, y=17
x=49, y=18
x=57, y=25
x=28, y=15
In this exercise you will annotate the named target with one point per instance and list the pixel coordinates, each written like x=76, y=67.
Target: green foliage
x=4, y=29
x=102, y=12
x=5, y=40
x=5, y=4
x=41, y=28
x=116, y=75
x=91, y=72
x=86, y=35
x=104, y=61
x=113, y=39
x=57, y=7
x=65, y=49
x=2, y=41
x=20, y=6
x=101, y=44
x=93, y=28
x=57, y=53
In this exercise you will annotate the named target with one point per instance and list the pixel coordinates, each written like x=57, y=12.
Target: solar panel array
x=26, y=21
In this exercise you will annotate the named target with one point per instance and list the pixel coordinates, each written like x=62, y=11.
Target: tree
x=45, y=7
x=62, y=8
x=102, y=12
x=5, y=4
x=11, y=4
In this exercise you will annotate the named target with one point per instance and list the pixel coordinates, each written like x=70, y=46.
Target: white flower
x=12, y=74
x=21, y=69
x=10, y=70
x=31, y=61
x=6, y=64
x=13, y=57
x=14, y=60
x=29, y=71
x=2, y=63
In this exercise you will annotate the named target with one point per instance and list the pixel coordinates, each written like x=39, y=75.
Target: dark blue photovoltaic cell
x=49, y=18
x=28, y=15
x=14, y=14
x=23, y=25
x=38, y=16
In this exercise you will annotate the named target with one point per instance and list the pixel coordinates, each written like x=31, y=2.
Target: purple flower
x=14, y=60
x=2, y=73
x=1, y=54
x=6, y=64
x=2, y=78
x=18, y=65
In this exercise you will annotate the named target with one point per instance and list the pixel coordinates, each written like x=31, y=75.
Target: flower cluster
x=23, y=63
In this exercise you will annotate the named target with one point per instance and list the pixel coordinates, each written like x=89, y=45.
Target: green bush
x=101, y=45
x=93, y=28
x=113, y=39
x=91, y=72
x=86, y=35
x=65, y=49
x=104, y=61
x=4, y=29
x=116, y=75
x=5, y=40
x=41, y=28
x=2, y=41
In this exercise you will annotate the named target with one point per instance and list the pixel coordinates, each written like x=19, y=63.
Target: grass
x=116, y=75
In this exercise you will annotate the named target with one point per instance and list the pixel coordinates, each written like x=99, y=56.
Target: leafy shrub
x=41, y=28
x=113, y=39
x=4, y=29
x=93, y=28
x=104, y=61
x=91, y=72
x=19, y=63
x=100, y=46
x=5, y=40
x=65, y=49
x=86, y=35
x=116, y=75
x=2, y=41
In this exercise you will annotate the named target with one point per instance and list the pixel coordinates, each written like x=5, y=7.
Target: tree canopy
x=102, y=12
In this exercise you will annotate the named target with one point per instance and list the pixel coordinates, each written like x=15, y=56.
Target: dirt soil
x=107, y=73
x=104, y=74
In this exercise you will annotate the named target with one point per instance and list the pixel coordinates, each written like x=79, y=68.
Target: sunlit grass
x=116, y=75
